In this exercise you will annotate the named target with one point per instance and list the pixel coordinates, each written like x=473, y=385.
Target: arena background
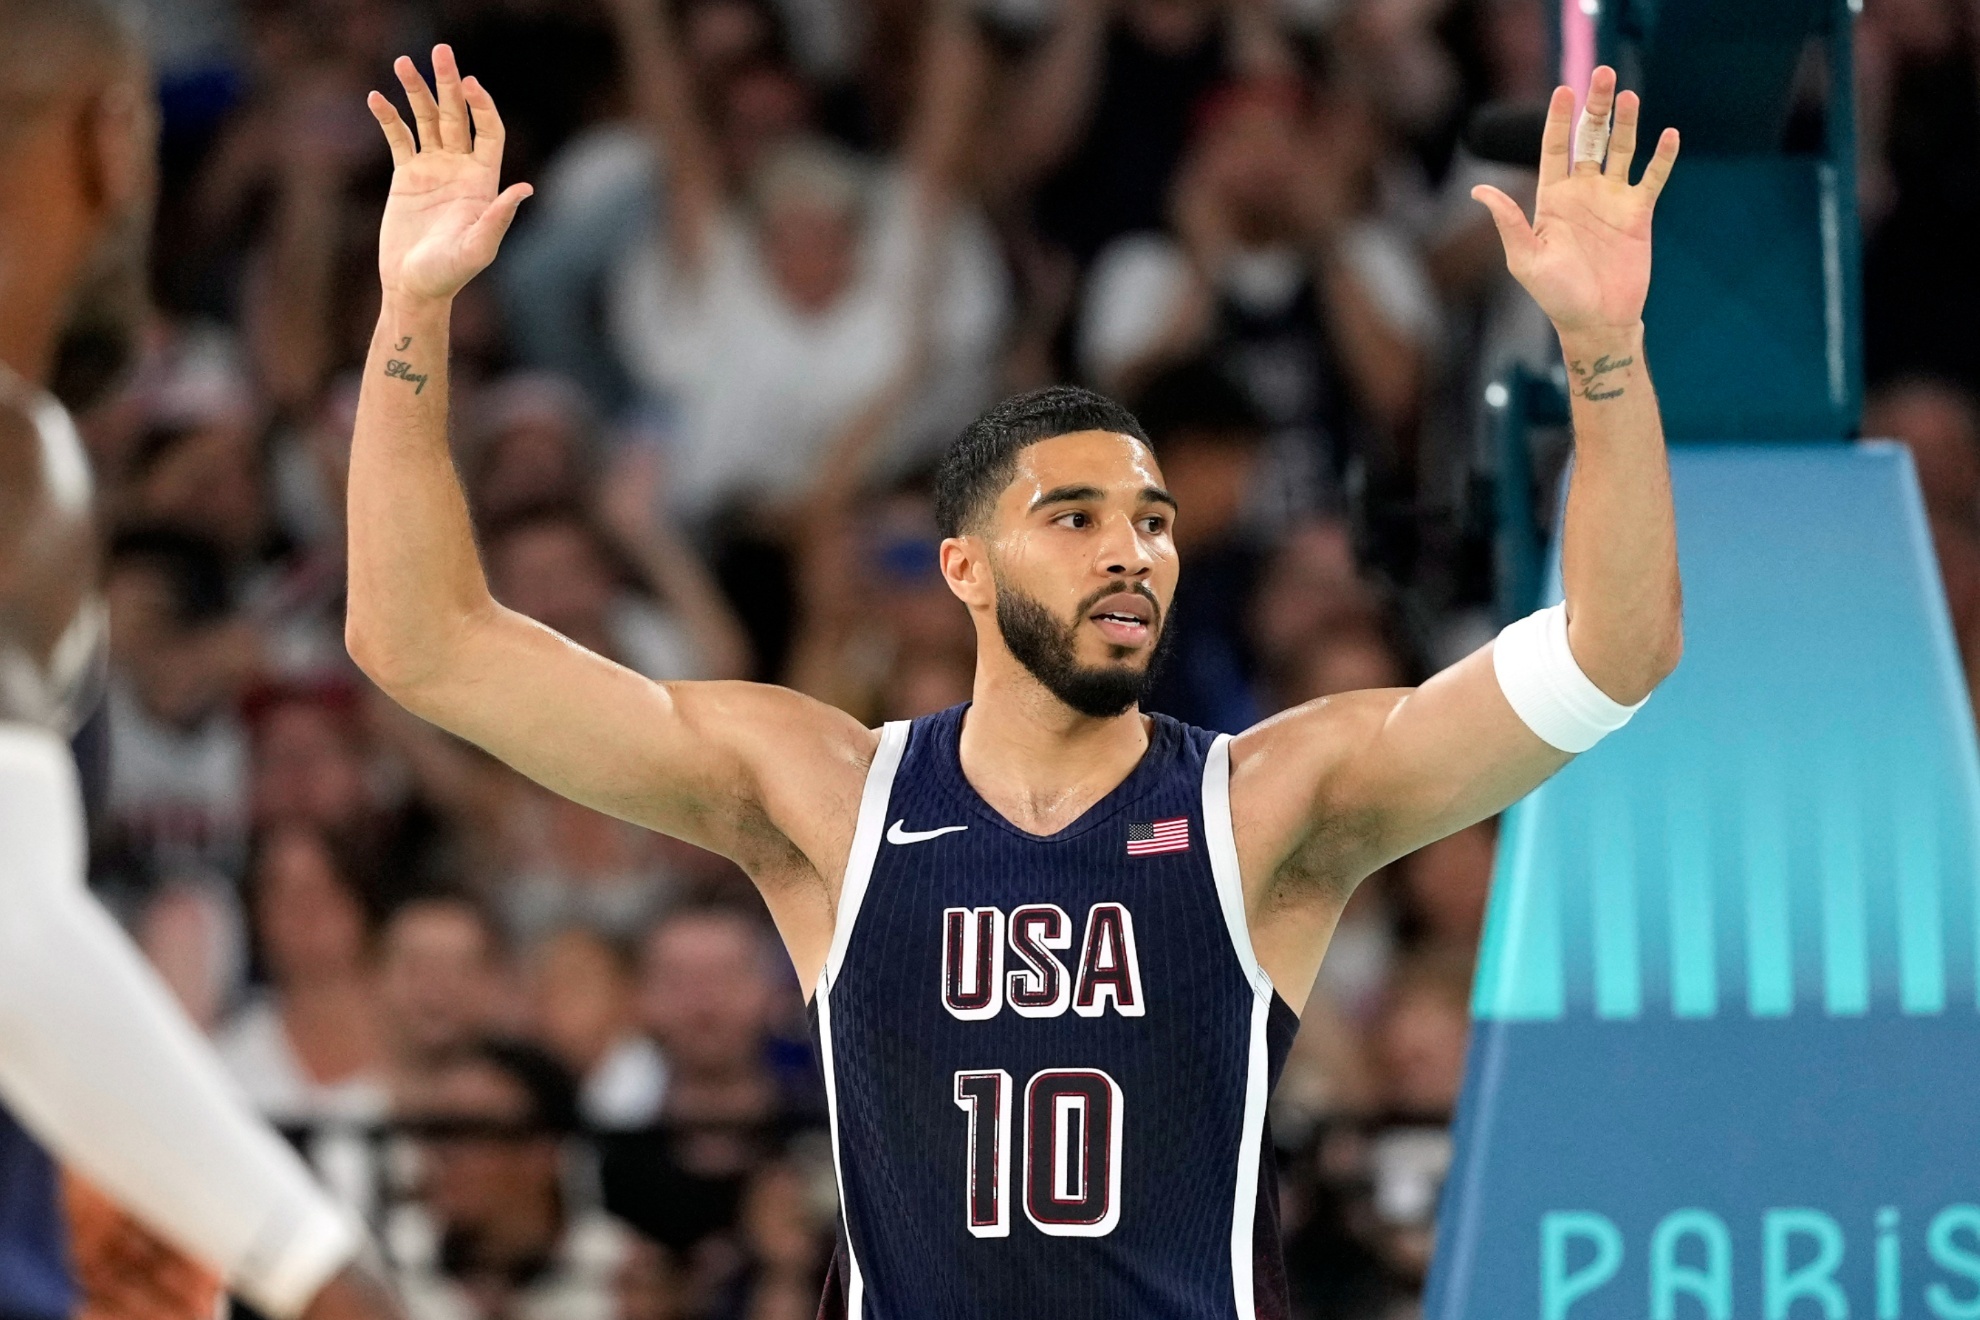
x=1250, y=220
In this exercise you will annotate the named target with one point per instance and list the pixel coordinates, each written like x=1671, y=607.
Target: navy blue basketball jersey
x=1048, y=1056
x=34, y=1258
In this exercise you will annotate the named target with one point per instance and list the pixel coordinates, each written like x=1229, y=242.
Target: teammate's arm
x=98, y=1064
x=678, y=757
x=1391, y=771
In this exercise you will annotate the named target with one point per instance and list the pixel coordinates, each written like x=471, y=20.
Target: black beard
x=1045, y=647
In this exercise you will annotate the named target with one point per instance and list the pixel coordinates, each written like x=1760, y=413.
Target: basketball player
x=1052, y=943
x=94, y=1058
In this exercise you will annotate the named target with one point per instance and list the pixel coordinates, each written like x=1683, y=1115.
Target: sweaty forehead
x=1112, y=462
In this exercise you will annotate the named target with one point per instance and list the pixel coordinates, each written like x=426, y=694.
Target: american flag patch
x=1161, y=836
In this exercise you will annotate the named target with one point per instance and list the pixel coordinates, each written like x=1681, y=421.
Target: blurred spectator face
x=762, y=108
x=1170, y=25
x=308, y=767
x=1516, y=48
x=308, y=921
x=475, y=1183
x=550, y=569
x=1311, y=585
x=648, y=1285
x=705, y=992
x=1351, y=661
x=1210, y=475
x=1448, y=883
x=207, y=479
x=719, y=35
x=1937, y=422
x=809, y=246
x=535, y=432
x=180, y=671
x=1251, y=155
x=1420, y=1040
x=438, y=976
x=807, y=204
x=579, y=997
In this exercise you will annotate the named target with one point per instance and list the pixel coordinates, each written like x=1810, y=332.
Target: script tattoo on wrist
x=401, y=370
x=1589, y=382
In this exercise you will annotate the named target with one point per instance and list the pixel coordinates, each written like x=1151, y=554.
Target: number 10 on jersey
x=1071, y=1158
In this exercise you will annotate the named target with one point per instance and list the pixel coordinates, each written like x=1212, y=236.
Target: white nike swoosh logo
x=895, y=834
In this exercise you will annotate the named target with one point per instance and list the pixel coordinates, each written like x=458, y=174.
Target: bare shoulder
x=1282, y=771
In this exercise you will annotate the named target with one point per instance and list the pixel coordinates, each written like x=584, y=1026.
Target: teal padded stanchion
x=1727, y=1053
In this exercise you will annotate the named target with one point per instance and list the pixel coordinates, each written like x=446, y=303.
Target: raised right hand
x=444, y=219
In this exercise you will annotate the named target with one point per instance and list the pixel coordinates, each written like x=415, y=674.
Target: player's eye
x=1156, y=524
x=1076, y=518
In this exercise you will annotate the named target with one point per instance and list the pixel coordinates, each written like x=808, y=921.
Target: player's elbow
x=400, y=669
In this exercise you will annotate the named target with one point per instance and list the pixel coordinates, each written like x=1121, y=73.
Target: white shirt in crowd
x=177, y=793
x=758, y=389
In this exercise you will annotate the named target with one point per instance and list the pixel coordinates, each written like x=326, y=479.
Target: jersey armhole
x=865, y=845
x=1221, y=839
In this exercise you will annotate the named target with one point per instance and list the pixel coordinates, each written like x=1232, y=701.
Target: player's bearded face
x=1048, y=647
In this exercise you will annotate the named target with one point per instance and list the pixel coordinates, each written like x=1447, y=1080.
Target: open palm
x=445, y=217
x=1586, y=256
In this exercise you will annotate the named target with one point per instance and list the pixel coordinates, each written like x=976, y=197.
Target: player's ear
x=966, y=569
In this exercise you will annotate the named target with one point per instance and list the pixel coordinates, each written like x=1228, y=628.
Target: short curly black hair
x=983, y=459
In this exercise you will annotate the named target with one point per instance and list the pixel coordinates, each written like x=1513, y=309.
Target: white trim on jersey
x=1221, y=839
x=852, y=892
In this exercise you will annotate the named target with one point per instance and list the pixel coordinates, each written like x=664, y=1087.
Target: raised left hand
x=1585, y=258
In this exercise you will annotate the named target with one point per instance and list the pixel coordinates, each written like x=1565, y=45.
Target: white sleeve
x=98, y=1063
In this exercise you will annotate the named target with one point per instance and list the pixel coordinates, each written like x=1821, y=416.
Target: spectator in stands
x=768, y=324
x=310, y=1046
x=709, y=991
x=1444, y=886
x=1208, y=437
x=314, y=765
x=497, y=1230
x=580, y=1004
x=1281, y=271
x=441, y=983
x=1101, y=112
x=179, y=661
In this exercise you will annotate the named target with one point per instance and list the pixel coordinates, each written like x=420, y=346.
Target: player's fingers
x=486, y=236
x=1514, y=231
x=1622, y=145
x=426, y=112
x=1591, y=135
x=453, y=105
x=1658, y=172
x=1557, y=143
x=488, y=131
x=397, y=135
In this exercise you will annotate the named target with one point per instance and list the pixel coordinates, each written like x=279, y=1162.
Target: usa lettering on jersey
x=990, y=960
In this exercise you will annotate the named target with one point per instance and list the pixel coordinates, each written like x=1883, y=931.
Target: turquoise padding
x=1789, y=826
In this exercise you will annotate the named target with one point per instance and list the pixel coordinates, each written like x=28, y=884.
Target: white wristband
x=1548, y=690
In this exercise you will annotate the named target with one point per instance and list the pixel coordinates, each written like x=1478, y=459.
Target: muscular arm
x=759, y=774
x=1329, y=792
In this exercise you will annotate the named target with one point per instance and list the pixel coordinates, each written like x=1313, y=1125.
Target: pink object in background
x=1577, y=45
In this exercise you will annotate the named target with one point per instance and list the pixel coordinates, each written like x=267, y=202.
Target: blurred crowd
x=780, y=251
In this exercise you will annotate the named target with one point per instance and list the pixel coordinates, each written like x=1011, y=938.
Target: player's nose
x=1123, y=553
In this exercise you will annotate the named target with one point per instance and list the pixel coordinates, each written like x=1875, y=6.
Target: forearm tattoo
x=399, y=369
x=1589, y=381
